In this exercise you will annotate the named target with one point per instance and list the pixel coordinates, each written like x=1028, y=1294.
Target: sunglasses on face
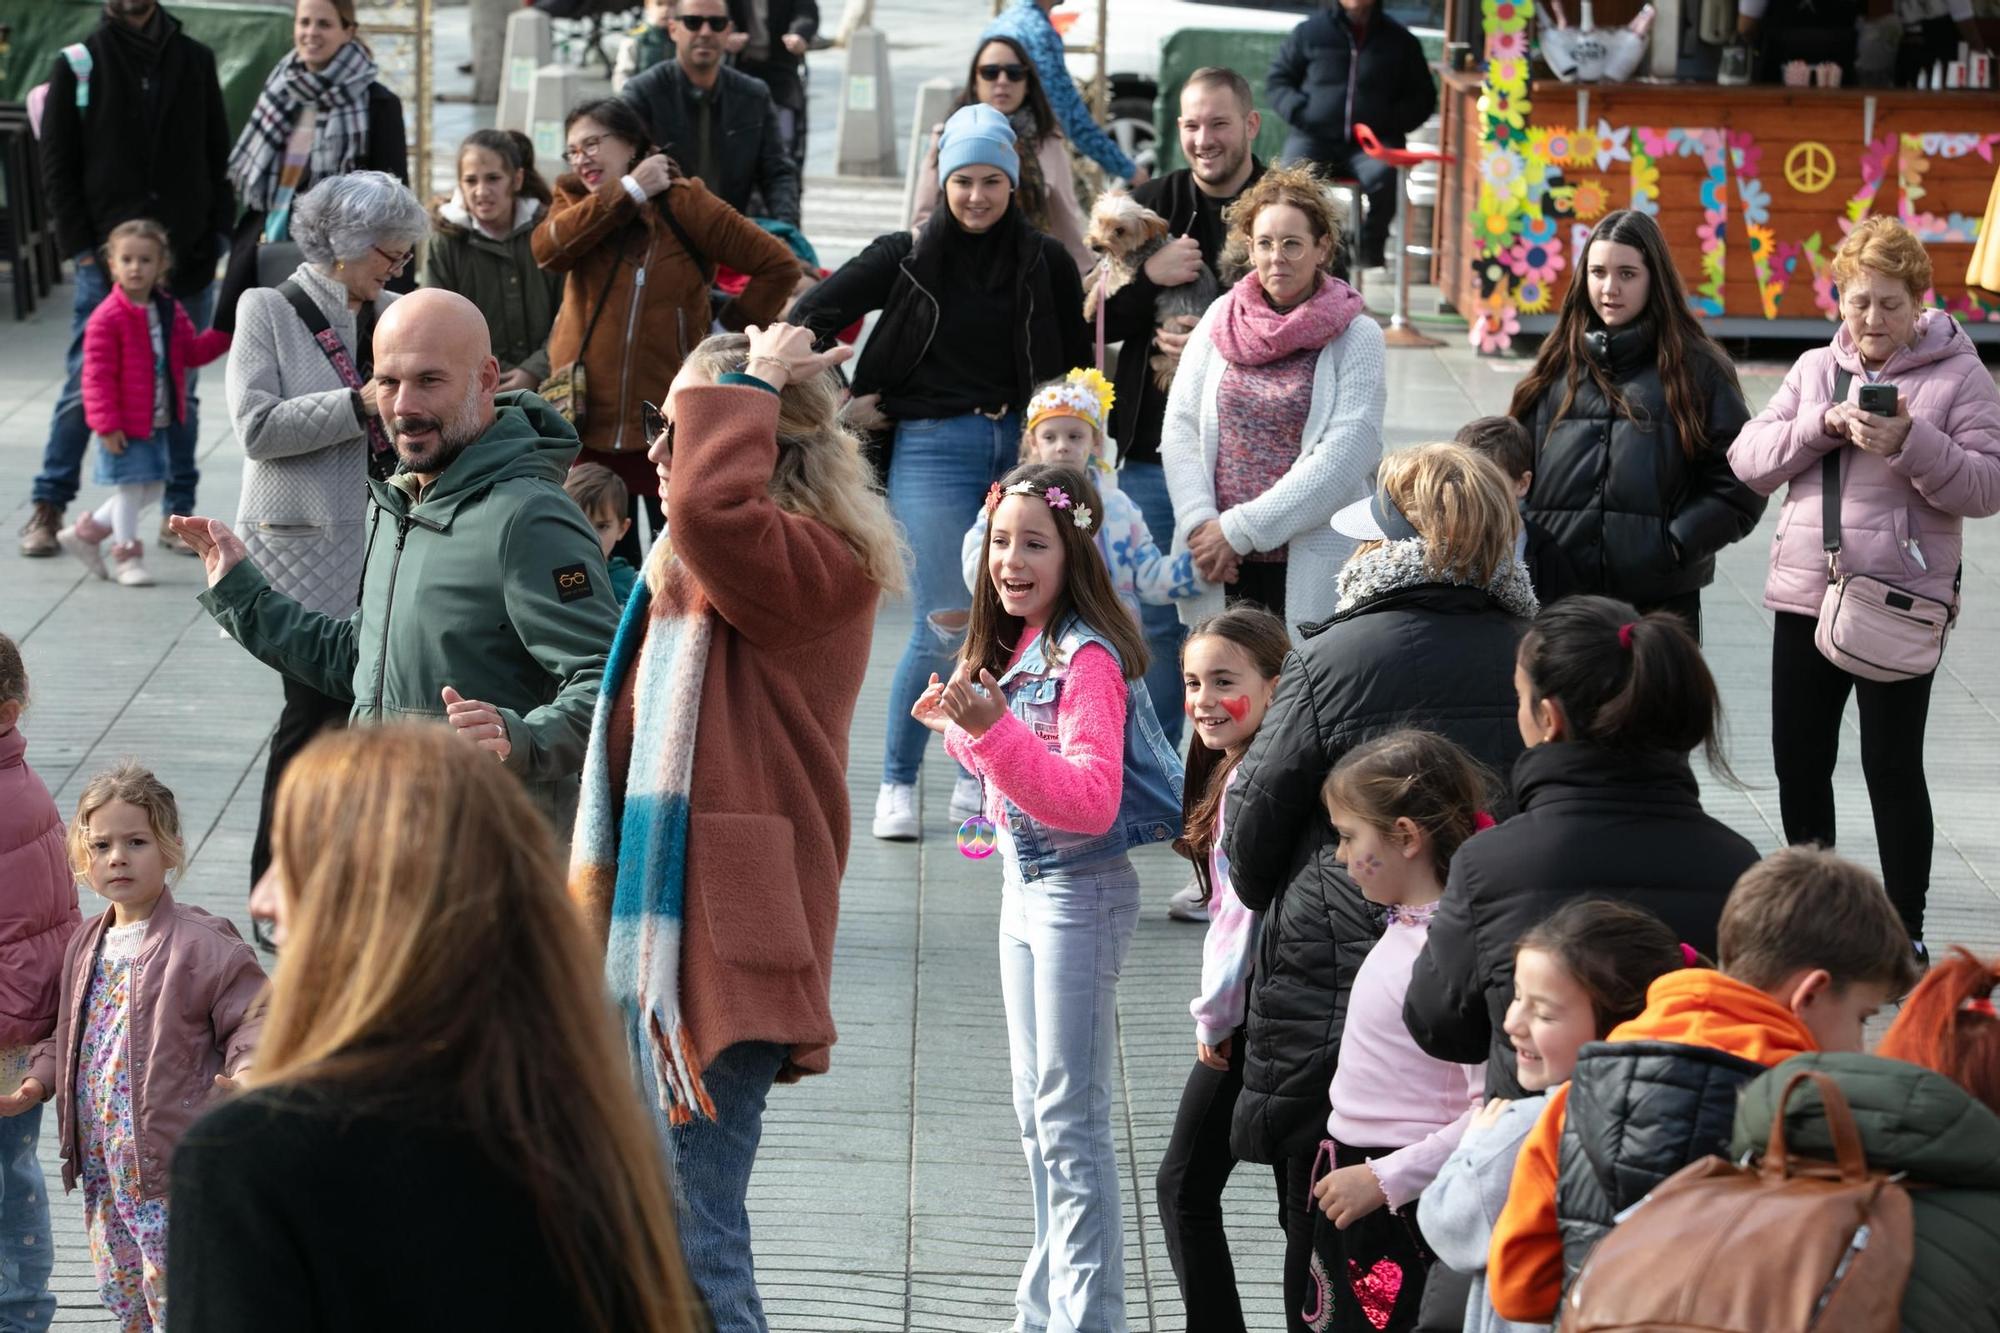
x=654, y=422
x=1011, y=73
x=696, y=22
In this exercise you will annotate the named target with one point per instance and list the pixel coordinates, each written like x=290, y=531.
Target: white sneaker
x=1186, y=904
x=896, y=813
x=968, y=798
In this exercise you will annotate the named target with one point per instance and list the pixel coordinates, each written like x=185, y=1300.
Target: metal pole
x=1402, y=333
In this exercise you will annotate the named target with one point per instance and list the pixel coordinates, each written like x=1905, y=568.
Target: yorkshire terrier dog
x=1125, y=234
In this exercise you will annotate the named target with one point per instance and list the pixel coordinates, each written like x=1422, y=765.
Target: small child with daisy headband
x=1048, y=709
x=1066, y=424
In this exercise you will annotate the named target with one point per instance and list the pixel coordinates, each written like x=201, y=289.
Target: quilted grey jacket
x=305, y=478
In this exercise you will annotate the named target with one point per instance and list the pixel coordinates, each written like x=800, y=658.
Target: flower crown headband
x=1084, y=394
x=1055, y=497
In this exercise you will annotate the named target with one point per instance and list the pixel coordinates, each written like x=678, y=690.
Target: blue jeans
x=27, y=1256
x=938, y=478
x=1063, y=940
x=711, y=1161
x=1146, y=483
x=69, y=434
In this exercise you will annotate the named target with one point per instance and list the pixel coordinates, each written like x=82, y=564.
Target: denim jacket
x=1149, y=806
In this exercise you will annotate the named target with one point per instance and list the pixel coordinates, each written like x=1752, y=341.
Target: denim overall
x=1069, y=905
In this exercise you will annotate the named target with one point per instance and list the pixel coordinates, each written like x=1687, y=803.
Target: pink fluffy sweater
x=1074, y=784
x=118, y=366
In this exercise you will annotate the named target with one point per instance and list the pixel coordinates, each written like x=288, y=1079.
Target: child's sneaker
x=84, y=540
x=968, y=798
x=129, y=562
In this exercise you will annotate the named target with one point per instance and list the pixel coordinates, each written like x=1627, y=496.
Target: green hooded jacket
x=1919, y=1122
x=491, y=582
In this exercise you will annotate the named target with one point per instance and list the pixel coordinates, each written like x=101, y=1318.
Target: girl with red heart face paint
x=1402, y=805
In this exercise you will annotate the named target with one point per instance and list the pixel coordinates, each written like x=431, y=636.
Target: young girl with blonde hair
x=437, y=1015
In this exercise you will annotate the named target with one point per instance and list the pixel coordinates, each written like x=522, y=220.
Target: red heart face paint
x=1238, y=707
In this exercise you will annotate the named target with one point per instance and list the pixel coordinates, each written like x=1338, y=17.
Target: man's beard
x=453, y=438
x=1226, y=165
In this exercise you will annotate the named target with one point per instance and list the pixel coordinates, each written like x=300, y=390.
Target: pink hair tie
x=1625, y=635
x=1481, y=821
x=1689, y=957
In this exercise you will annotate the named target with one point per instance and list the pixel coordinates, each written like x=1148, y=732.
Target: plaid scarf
x=628, y=869
x=339, y=92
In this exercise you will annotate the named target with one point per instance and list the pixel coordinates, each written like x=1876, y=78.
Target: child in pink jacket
x=137, y=350
x=38, y=914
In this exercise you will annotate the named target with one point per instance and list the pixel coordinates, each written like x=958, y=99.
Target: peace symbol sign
x=1809, y=167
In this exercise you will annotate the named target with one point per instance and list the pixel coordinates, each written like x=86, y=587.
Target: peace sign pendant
x=977, y=837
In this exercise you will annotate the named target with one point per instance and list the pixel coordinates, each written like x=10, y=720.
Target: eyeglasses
x=696, y=22
x=1011, y=73
x=1291, y=247
x=397, y=263
x=654, y=422
x=584, y=148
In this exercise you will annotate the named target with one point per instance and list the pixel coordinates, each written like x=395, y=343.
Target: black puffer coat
x=1636, y=516
x=1419, y=654
x=1593, y=822
x=1323, y=82
x=1638, y=1112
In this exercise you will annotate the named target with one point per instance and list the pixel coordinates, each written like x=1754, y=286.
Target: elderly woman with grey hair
x=303, y=402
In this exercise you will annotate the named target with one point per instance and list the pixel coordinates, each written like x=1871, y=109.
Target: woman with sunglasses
x=978, y=308
x=638, y=243
x=308, y=422
x=322, y=112
x=1004, y=78
x=1274, y=421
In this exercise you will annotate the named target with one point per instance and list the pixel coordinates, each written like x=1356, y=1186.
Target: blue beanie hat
x=977, y=134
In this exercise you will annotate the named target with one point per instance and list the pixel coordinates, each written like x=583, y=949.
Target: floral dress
x=128, y=1234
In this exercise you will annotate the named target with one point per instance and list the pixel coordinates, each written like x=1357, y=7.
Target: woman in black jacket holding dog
x=977, y=308
x=1633, y=408
x=1424, y=635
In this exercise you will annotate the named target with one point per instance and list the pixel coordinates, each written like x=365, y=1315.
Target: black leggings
x=1295, y=1216
x=1808, y=697
x=1192, y=1176
x=307, y=712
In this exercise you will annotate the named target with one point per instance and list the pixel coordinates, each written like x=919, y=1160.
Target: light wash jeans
x=69, y=435
x=938, y=477
x=1063, y=940
x=711, y=1162
x=27, y=1255
x=1146, y=483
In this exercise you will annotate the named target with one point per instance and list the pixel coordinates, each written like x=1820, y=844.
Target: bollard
x=865, y=142
x=489, y=40
x=934, y=98
x=529, y=46
x=553, y=94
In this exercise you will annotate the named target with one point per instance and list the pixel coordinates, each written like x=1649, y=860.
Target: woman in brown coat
x=640, y=242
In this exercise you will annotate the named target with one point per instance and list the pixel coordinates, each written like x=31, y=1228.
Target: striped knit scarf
x=629, y=871
x=340, y=92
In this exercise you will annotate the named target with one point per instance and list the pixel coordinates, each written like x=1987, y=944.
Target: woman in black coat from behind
x=1611, y=705
x=1633, y=408
x=1424, y=636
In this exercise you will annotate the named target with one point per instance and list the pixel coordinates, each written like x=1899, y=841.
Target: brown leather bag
x=1784, y=1247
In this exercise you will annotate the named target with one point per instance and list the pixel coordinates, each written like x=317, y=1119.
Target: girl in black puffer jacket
x=1633, y=408
x=1424, y=636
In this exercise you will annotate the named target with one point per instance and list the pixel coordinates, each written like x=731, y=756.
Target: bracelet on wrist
x=633, y=188
x=769, y=361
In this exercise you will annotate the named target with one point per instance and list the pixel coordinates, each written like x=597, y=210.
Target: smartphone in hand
x=1878, y=399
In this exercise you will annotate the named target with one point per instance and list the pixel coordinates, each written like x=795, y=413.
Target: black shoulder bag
x=381, y=453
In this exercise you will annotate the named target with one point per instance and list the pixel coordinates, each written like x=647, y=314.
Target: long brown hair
x=1948, y=1024
x=993, y=635
x=1036, y=100
x=432, y=961
x=516, y=152
x=1679, y=337
x=1264, y=640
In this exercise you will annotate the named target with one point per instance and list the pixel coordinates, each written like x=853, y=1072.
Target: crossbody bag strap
x=681, y=235
x=381, y=451
x=1829, y=481
x=603, y=298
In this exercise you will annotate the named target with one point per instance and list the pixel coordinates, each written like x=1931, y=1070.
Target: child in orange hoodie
x=1811, y=948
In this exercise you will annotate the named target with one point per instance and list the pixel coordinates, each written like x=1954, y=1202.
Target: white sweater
x=1336, y=466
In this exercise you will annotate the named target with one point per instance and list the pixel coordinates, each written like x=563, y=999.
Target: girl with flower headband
x=1048, y=708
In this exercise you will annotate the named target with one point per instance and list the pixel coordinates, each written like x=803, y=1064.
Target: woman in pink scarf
x=1275, y=418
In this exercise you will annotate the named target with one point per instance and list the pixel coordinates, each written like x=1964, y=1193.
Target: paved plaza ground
x=890, y=1193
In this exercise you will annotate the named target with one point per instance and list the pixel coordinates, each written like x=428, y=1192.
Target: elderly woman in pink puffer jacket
x=1907, y=484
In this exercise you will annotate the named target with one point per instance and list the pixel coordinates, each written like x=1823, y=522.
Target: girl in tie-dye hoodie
x=1229, y=672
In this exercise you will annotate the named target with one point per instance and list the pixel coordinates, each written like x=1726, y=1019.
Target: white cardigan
x=1336, y=466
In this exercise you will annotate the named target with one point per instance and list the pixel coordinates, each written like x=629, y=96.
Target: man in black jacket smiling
x=134, y=128
x=1345, y=67
x=718, y=123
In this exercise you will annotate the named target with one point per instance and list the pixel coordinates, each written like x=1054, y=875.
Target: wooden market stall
x=1753, y=186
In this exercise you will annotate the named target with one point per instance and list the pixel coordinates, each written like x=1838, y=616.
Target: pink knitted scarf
x=1248, y=332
